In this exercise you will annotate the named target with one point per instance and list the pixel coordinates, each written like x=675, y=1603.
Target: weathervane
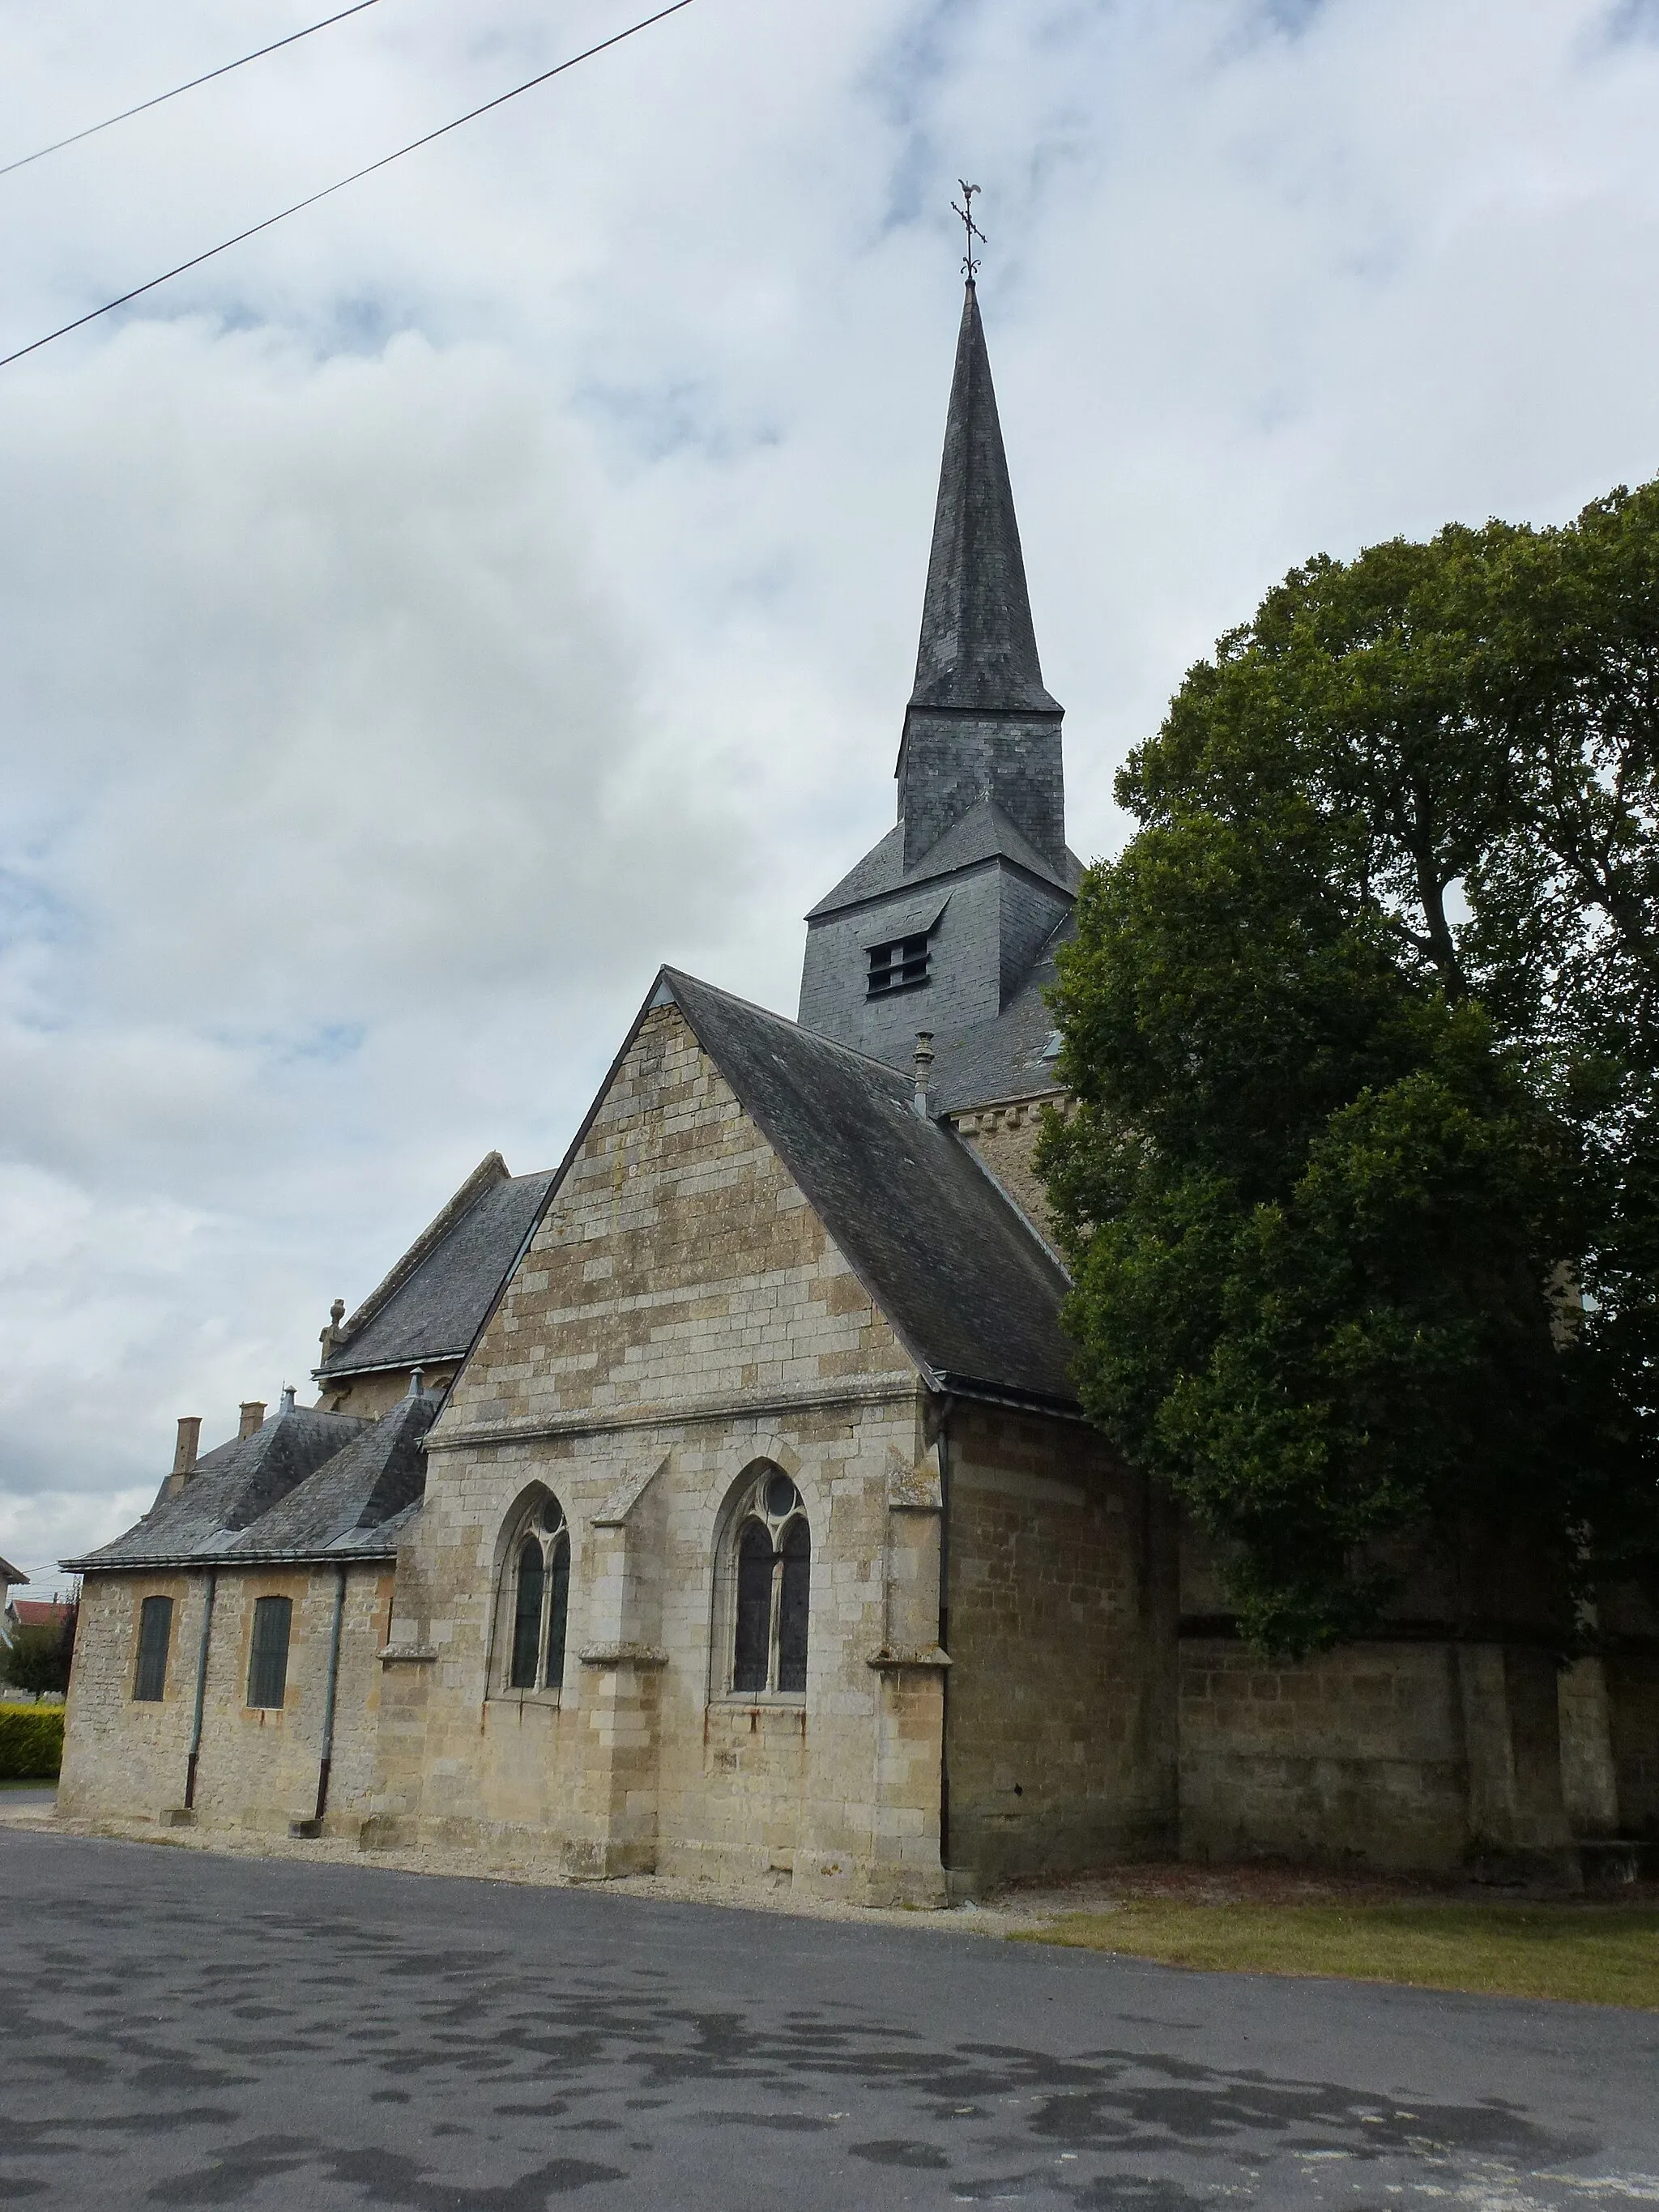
x=969, y=263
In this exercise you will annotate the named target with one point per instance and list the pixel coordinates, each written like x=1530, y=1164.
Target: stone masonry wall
x=1633, y=1704
x=123, y=1760
x=1004, y=1139
x=257, y=1768
x=680, y=1316
x=1060, y=1735
x=1354, y=1756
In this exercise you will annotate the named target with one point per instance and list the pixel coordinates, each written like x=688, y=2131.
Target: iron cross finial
x=965, y=212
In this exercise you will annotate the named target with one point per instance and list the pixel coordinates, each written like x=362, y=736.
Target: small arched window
x=539, y=1567
x=772, y=1545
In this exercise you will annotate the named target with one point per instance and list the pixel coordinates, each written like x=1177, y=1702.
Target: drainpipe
x=201, y=1689
x=944, y=1640
x=328, y=1695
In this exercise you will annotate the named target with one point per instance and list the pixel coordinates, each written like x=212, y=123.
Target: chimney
x=184, y=1454
x=253, y=1417
x=924, y=1070
x=290, y=1391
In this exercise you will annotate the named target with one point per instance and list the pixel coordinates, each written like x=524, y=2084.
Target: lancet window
x=772, y=1562
x=539, y=1598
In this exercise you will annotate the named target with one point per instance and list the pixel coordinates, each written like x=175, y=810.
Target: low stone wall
x=1355, y=1756
x=1061, y=1743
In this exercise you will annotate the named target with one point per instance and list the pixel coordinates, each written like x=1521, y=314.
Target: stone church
x=719, y=1502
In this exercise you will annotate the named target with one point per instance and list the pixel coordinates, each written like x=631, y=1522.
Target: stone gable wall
x=681, y=1315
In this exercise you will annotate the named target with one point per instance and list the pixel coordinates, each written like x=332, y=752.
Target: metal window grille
x=154, y=1634
x=900, y=966
x=267, y=1671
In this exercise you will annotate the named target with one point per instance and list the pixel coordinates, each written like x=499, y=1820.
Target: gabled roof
x=230, y=1489
x=984, y=833
x=978, y=651
x=11, y=1575
x=430, y=1305
x=970, y=1290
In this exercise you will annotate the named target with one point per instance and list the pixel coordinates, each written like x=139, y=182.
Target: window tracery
x=770, y=1545
x=538, y=1598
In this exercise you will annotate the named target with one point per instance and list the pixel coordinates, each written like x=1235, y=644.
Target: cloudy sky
x=420, y=623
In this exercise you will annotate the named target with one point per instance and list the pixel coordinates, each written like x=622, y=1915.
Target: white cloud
x=417, y=624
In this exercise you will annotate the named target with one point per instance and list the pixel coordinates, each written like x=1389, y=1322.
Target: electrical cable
x=357, y=176
x=93, y=129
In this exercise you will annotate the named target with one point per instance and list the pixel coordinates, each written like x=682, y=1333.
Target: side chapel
x=719, y=1500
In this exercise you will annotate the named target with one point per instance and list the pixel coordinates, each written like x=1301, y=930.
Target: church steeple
x=980, y=724
x=978, y=651
x=942, y=926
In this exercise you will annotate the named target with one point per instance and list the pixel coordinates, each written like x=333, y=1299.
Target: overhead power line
x=357, y=177
x=224, y=69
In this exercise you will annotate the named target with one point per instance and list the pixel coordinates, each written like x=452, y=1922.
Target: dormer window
x=900, y=966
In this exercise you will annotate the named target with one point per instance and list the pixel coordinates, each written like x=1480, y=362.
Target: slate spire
x=978, y=651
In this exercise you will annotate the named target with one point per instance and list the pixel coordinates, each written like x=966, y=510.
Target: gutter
x=196, y=1562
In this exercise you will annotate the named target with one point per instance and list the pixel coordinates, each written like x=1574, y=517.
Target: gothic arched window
x=771, y=1547
x=538, y=1597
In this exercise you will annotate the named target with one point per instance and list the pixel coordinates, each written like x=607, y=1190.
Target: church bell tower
x=939, y=926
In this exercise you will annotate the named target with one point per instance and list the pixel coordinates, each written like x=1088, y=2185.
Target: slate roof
x=432, y=1304
x=231, y=1489
x=972, y=1293
x=978, y=651
x=985, y=833
x=355, y=1500
x=1009, y=1057
x=320, y=1485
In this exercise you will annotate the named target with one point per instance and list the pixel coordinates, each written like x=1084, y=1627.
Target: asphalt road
x=182, y=2030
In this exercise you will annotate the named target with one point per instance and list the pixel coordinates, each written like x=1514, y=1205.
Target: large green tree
x=1363, y=1031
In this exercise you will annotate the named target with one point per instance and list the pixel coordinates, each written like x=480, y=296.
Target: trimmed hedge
x=30, y=1743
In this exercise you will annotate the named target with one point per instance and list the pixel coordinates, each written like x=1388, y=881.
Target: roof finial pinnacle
x=965, y=212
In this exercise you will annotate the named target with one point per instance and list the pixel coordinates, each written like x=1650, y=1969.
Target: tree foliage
x=1363, y=1031
x=39, y=1659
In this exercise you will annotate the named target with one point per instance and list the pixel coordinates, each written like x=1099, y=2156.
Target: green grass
x=1588, y=1955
